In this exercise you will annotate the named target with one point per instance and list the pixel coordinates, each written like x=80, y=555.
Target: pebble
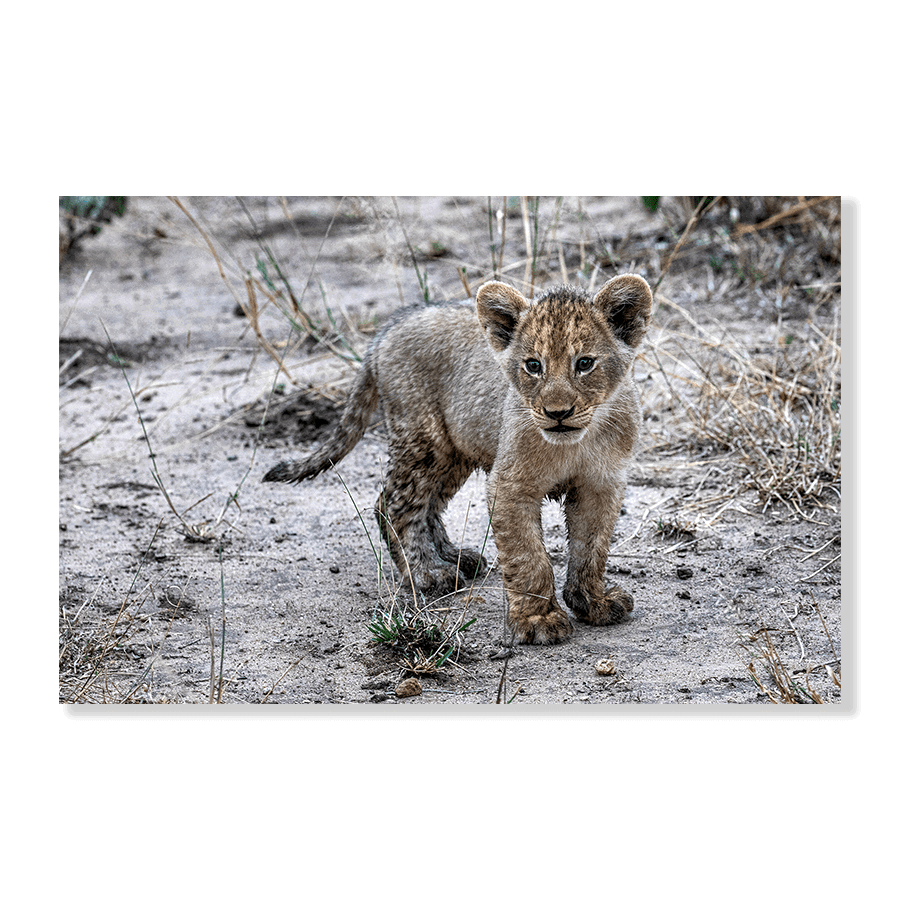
x=408, y=688
x=605, y=667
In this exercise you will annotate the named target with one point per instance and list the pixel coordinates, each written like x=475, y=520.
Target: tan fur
x=546, y=405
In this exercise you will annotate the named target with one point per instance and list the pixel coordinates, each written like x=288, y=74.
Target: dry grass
x=266, y=284
x=778, y=681
x=769, y=411
x=774, y=411
x=95, y=656
x=110, y=647
x=762, y=413
x=101, y=657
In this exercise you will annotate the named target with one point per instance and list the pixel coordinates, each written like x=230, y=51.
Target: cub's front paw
x=550, y=628
x=612, y=607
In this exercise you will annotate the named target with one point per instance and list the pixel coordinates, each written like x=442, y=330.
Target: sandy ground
x=290, y=570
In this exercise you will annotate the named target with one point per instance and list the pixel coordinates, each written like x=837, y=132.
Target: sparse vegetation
x=779, y=681
x=422, y=640
x=776, y=412
x=202, y=532
x=674, y=529
x=101, y=657
x=740, y=375
x=422, y=635
x=84, y=216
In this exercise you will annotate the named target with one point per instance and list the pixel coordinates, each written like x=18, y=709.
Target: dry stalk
x=801, y=207
x=244, y=288
x=695, y=218
x=780, y=684
x=787, y=688
x=278, y=680
x=529, y=275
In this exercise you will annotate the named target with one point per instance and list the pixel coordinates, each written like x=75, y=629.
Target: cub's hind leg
x=466, y=561
x=415, y=494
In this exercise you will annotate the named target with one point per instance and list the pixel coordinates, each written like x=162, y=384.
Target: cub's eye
x=532, y=366
x=585, y=364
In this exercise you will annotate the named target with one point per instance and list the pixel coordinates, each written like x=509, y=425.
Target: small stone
x=334, y=569
x=684, y=572
x=408, y=688
x=605, y=667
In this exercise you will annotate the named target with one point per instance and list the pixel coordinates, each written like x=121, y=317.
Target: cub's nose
x=559, y=414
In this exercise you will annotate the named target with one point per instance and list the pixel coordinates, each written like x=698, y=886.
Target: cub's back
x=434, y=366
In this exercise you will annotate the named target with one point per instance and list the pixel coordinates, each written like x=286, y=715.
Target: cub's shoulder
x=438, y=328
x=435, y=314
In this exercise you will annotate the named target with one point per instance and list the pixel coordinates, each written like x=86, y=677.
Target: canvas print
x=551, y=452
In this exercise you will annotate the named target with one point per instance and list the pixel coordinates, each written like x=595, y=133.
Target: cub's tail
x=360, y=405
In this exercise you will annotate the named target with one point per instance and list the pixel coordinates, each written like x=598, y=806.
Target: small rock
x=334, y=569
x=408, y=688
x=605, y=667
x=684, y=572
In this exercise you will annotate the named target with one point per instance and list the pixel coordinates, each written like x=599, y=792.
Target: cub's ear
x=625, y=303
x=499, y=309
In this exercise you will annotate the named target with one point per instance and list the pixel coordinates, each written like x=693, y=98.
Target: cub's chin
x=563, y=435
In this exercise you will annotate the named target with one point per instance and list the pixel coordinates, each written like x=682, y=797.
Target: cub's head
x=566, y=352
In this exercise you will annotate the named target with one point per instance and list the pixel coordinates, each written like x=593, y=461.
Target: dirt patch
x=81, y=357
x=184, y=579
x=295, y=419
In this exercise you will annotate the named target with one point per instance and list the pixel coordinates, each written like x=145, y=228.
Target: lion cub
x=540, y=395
